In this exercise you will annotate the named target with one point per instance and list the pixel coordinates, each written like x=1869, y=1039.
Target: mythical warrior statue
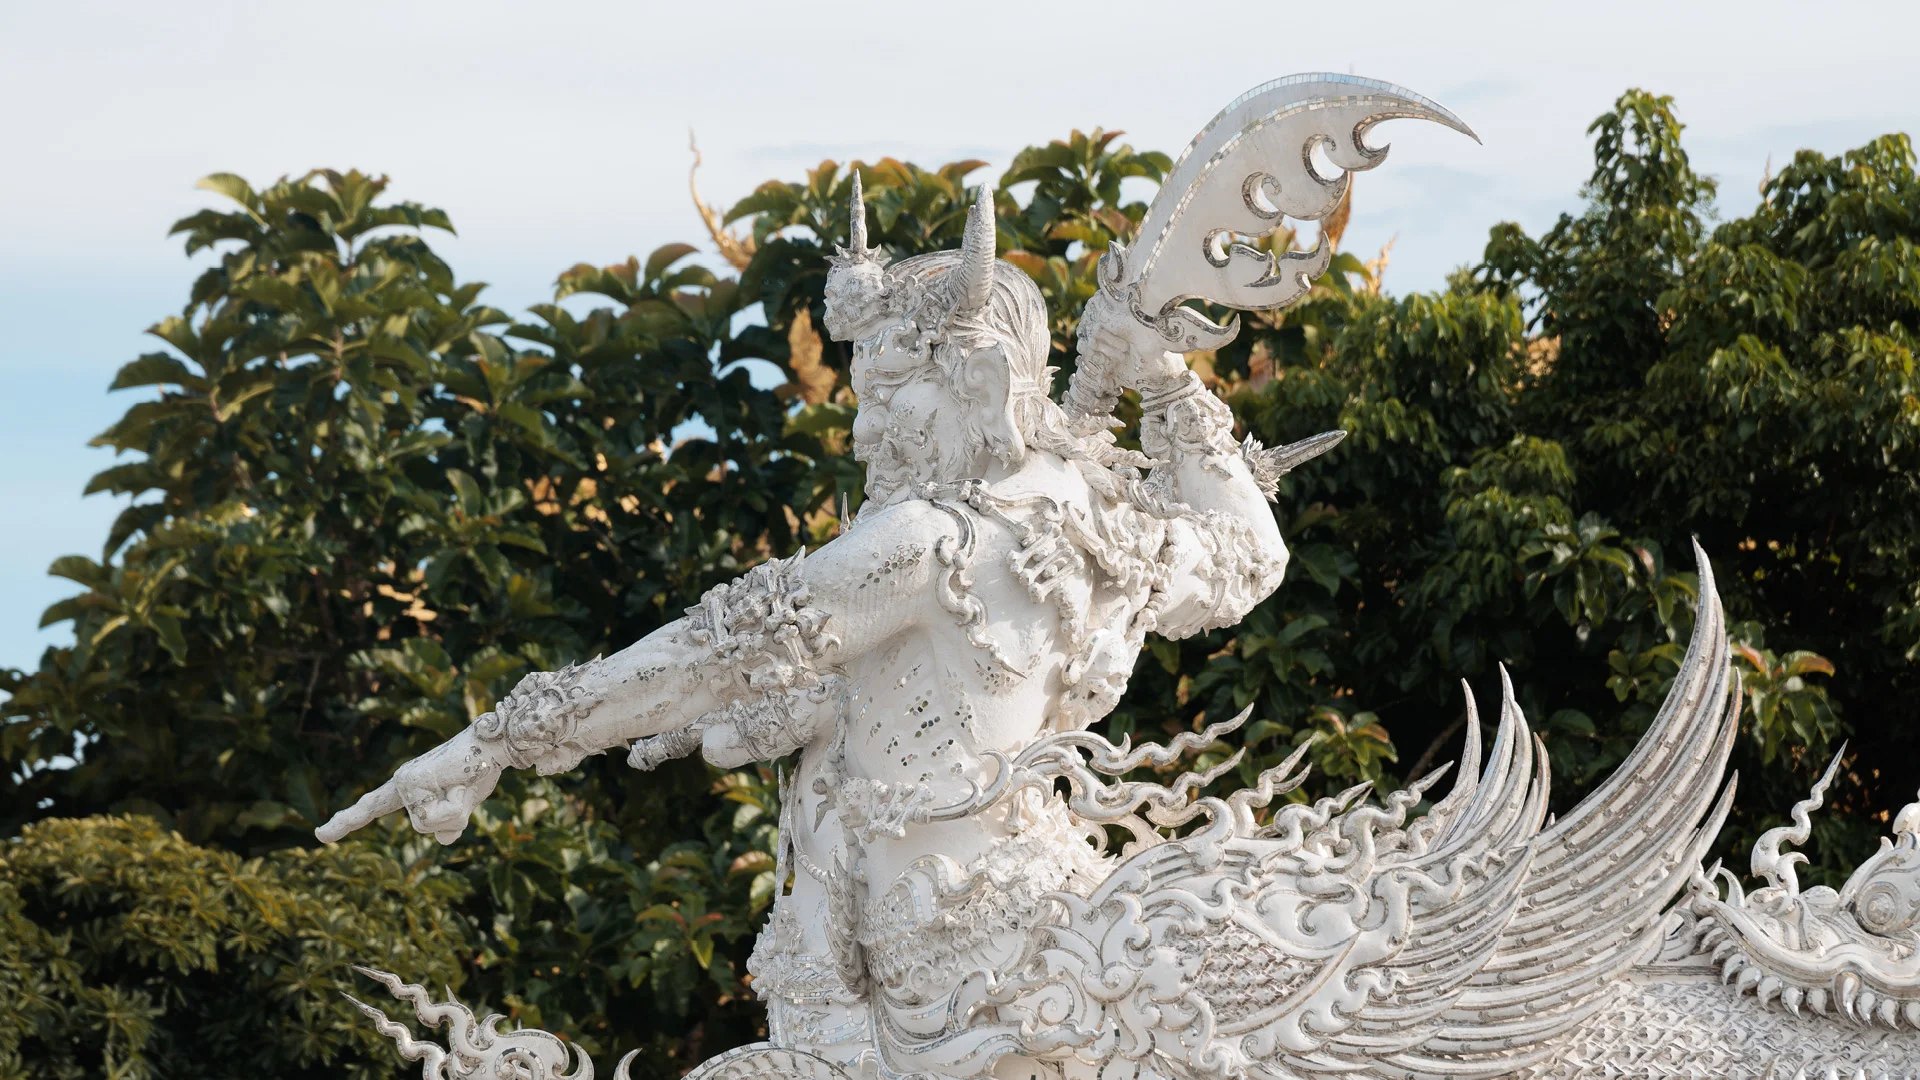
x=950, y=905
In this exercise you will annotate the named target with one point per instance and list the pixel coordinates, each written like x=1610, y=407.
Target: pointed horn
x=1282, y=460
x=857, y=218
x=975, y=272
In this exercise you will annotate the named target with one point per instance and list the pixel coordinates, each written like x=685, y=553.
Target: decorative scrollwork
x=536, y=724
x=1851, y=954
x=477, y=1049
x=765, y=645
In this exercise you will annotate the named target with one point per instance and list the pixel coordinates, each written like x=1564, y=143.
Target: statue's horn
x=974, y=276
x=857, y=218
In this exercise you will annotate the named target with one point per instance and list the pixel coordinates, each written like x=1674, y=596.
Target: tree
x=361, y=515
x=127, y=952
x=366, y=503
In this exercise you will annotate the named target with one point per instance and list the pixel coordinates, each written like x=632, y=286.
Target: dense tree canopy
x=365, y=503
x=127, y=952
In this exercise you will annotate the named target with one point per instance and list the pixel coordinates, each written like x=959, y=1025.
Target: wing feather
x=1476, y=935
x=1489, y=839
x=1602, y=877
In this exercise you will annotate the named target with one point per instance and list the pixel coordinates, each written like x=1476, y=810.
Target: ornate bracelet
x=1180, y=417
x=536, y=725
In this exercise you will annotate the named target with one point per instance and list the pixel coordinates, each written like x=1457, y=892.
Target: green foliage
x=365, y=503
x=1753, y=385
x=127, y=952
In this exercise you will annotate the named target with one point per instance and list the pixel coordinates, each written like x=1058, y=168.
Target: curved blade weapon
x=1248, y=170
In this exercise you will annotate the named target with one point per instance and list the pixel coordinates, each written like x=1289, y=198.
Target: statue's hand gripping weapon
x=1243, y=175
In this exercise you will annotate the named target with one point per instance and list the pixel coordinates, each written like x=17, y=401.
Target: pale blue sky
x=557, y=132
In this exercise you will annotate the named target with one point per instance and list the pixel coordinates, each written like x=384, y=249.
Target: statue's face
x=911, y=429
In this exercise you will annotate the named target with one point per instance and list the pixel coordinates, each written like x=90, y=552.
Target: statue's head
x=949, y=361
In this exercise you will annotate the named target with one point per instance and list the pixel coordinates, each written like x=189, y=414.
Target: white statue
x=936, y=666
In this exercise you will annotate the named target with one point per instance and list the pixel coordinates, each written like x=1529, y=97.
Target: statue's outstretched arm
x=550, y=722
x=736, y=675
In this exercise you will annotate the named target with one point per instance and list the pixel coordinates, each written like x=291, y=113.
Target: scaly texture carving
x=1696, y=1030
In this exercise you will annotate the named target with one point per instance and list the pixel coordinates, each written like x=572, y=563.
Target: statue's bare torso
x=908, y=729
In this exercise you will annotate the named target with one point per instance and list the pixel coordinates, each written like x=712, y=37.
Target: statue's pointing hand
x=439, y=790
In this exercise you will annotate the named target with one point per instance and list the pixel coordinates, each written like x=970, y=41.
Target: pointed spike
x=973, y=278
x=1280, y=772
x=1112, y=267
x=857, y=218
x=1792, y=997
x=1506, y=692
x=1542, y=783
x=1227, y=727
x=1470, y=754
x=1702, y=566
x=1450, y=813
x=395, y=984
x=1507, y=762
x=1419, y=787
x=1282, y=460
x=1420, y=107
x=1846, y=988
x=1768, y=989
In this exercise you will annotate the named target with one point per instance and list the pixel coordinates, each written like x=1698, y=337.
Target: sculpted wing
x=1603, y=876
x=1452, y=931
x=1338, y=941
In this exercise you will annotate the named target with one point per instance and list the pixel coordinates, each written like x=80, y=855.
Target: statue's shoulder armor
x=920, y=518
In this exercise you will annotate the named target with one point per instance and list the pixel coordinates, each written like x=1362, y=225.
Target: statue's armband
x=1220, y=565
x=538, y=725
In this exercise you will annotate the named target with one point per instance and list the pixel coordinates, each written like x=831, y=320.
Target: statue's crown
x=862, y=290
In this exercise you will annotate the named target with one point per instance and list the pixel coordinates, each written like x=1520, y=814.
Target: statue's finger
x=371, y=807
